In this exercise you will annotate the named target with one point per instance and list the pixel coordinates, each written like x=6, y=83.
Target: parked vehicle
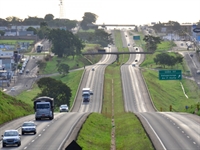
x=28, y=127
x=64, y=108
x=86, y=92
x=44, y=108
x=11, y=138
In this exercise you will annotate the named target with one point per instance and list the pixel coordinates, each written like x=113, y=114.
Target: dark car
x=29, y=127
x=11, y=138
x=64, y=108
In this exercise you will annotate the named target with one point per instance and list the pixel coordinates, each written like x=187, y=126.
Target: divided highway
x=167, y=130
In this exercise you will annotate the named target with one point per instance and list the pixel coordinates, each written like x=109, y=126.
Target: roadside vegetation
x=128, y=129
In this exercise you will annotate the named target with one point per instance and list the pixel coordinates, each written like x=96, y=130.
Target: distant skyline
x=109, y=11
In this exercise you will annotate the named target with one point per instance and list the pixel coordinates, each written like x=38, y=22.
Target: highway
x=167, y=130
x=56, y=134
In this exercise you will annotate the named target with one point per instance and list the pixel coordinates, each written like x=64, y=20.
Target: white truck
x=86, y=92
x=44, y=108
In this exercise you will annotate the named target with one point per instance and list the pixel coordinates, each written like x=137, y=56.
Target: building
x=7, y=60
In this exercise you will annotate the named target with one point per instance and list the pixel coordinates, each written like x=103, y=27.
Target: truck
x=44, y=108
x=39, y=48
x=86, y=92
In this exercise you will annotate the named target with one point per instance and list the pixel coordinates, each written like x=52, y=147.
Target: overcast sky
x=109, y=11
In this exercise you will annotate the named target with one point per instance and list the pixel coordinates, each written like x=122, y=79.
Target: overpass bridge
x=101, y=52
x=104, y=25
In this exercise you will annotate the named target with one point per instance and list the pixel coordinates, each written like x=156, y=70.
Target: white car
x=64, y=108
x=12, y=89
x=198, y=71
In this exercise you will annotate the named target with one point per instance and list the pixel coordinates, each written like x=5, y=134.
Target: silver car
x=29, y=127
x=64, y=108
x=11, y=138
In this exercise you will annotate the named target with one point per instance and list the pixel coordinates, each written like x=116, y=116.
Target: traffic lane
x=169, y=134
x=194, y=65
x=17, y=123
x=189, y=125
x=55, y=136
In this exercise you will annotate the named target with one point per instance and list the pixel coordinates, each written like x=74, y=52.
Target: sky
x=138, y=12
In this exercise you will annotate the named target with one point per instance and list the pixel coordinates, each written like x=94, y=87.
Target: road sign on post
x=170, y=75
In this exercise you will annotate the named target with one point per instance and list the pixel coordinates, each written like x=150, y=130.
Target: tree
x=2, y=33
x=88, y=18
x=63, y=69
x=151, y=42
x=166, y=59
x=56, y=89
x=65, y=43
x=48, y=17
x=43, y=32
x=31, y=29
x=98, y=37
x=43, y=24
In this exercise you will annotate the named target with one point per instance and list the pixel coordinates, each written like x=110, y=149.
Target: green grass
x=13, y=42
x=169, y=92
x=129, y=132
x=74, y=63
x=95, y=133
x=12, y=108
x=72, y=80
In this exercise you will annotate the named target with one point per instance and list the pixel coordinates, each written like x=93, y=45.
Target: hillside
x=11, y=108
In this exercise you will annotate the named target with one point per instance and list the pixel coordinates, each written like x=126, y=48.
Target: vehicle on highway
x=11, y=138
x=86, y=92
x=64, y=108
x=198, y=71
x=27, y=71
x=136, y=48
x=21, y=72
x=93, y=69
x=28, y=127
x=44, y=108
x=133, y=65
x=136, y=60
x=12, y=89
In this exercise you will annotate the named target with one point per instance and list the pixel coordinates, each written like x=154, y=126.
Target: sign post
x=170, y=75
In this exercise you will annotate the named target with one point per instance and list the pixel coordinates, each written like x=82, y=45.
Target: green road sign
x=136, y=37
x=170, y=75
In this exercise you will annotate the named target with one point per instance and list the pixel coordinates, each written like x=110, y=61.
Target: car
x=136, y=48
x=64, y=108
x=93, y=69
x=11, y=138
x=12, y=89
x=28, y=127
x=21, y=72
x=27, y=71
x=133, y=65
x=33, y=57
x=198, y=71
x=136, y=60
